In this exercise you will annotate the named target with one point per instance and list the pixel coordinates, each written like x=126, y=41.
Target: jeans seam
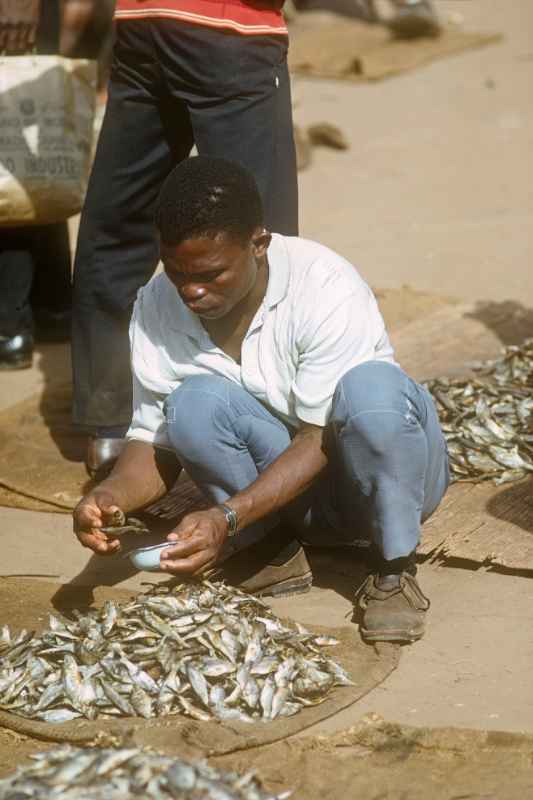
x=183, y=389
x=375, y=411
x=267, y=417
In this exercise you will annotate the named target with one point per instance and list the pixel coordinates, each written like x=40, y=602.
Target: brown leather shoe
x=394, y=608
x=267, y=574
x=102, y=455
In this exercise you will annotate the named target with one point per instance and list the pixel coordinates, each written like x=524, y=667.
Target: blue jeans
x=387, y=460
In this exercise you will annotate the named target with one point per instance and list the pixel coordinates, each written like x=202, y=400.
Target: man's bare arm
x=141, y=475
x=77, y=16
x=200, y=536
x=284, y=480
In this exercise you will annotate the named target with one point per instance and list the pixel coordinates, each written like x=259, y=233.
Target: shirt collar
x=278, y=271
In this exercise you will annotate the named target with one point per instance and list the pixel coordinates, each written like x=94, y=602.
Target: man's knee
x=370, y=402
x=195, y=410
x=370, y=386
x=197, y=396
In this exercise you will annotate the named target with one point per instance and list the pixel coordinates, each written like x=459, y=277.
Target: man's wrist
x=231, y=517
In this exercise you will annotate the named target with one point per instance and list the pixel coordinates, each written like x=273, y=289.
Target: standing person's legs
x=391, y=471
x=16, y=277
x=233, y=440
x=51, y=296
x=29, y=253
x=243, y=112
x=143, y=136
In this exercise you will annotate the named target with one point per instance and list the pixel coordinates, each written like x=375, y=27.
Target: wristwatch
x=231, y=518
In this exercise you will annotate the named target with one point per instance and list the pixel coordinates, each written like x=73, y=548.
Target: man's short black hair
x=204, y=196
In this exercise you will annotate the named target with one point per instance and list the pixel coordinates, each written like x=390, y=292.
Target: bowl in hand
x=147, y=558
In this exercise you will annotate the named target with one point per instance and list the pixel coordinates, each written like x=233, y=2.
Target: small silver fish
x=198, y=683
x=181, y=777
x=195, y=648
x=116, y=699
x=141, y=702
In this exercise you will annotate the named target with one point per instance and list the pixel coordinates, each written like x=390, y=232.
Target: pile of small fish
x=104, y=774
x=201, y=649
x=488, y=420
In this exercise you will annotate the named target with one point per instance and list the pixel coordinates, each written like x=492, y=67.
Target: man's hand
x=92, y=513
x=199, y=538
x=18, y=25
x=140, y=477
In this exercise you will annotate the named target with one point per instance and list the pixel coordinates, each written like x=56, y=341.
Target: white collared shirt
x=318, y=320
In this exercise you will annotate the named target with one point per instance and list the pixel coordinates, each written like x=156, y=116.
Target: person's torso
x=175, y=345
x=254, y=18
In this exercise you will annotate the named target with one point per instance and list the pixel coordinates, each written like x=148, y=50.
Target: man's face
x=212, y=275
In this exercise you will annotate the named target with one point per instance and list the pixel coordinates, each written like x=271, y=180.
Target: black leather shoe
x=16, y=352
x=102, y=454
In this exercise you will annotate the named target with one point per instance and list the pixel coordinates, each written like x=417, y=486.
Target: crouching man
x=263, y=363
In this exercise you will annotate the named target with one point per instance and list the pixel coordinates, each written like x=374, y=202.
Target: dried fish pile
x=488, y=420
x=208, y=651
x=98, y=774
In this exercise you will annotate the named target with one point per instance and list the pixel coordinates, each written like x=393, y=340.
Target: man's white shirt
x=318, y=320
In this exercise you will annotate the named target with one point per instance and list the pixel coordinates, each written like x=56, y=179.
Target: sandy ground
x=472, y=669
x=435, y=192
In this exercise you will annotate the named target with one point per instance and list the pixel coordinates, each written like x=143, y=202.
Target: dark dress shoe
x=102, y=455
x=16, y=352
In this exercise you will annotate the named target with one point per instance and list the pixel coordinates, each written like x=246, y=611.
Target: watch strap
x=231, y=518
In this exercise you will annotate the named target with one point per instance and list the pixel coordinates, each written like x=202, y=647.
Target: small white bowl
x=147, y=558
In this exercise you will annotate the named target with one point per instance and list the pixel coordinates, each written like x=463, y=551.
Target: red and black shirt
x=247, y=18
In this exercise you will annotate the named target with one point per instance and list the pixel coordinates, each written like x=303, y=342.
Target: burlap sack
x=46, y=130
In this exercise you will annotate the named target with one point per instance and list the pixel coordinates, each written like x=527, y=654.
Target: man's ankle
x=397, y=566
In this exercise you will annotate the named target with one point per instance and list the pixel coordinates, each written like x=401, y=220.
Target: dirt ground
x=435, y=190
x=372, y=759
x=356, y=751
x=434, y=193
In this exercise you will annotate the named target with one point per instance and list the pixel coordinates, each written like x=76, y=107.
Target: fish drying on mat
x=104, y=774
x=488, y=420
x=205, y=650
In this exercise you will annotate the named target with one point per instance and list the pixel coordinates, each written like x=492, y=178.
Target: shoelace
x=413, y=595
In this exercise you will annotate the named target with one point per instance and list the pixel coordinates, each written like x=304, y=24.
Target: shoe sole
x=18, y=362
x=291, y=586
x=391, y=636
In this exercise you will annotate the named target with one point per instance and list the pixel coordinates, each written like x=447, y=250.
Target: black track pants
x=172, y=86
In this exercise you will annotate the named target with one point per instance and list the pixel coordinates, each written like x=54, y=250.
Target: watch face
x=231, y=519
x=232, y=522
